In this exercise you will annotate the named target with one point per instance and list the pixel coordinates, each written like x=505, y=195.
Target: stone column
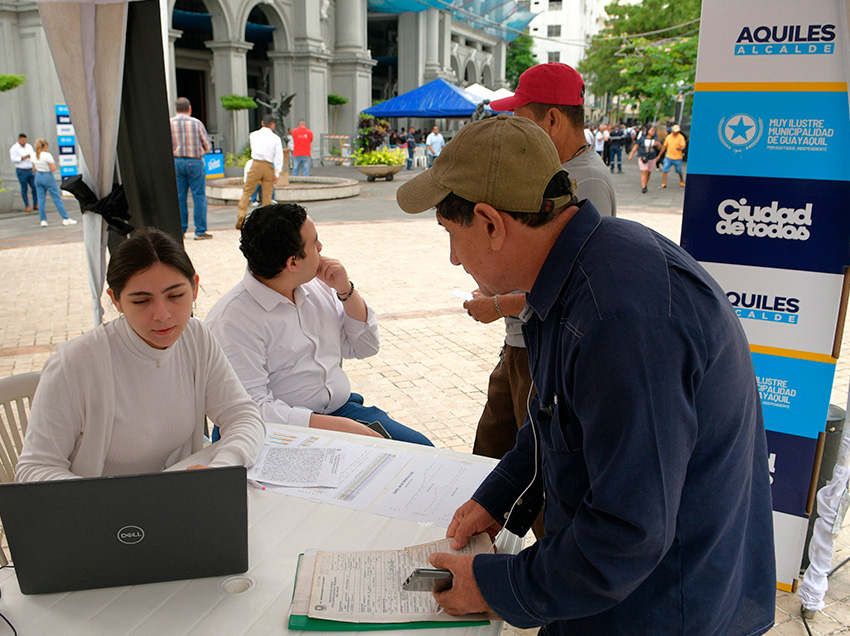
x=499, y=54
x=432, y=44
x=351, y=68
x=230, y=77
x=411, y=51
x=171, y=69
x=309, y=63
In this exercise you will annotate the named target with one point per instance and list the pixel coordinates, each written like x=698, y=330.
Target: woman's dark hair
x=458, y=210
x=271, y=235
x=140, y=252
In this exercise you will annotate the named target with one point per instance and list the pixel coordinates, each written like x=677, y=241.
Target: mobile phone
x=378, y=428
x=428, y=580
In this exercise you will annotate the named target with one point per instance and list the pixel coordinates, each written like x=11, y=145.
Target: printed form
x=366, y=586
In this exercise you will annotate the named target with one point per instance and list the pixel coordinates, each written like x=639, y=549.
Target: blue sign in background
x=742, y=134
x=214, y=165
x=709, y=234
x=791, y=470
x=61, y=109
x=802, y=413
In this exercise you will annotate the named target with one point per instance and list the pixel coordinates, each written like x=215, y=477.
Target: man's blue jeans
x=191, y=175
x=409, y=158
x=354, y=409
x=302, y=165
x=616, y=151
x=26, y=177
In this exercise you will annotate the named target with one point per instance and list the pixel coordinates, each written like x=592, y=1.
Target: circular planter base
x=299, y=189
x=379, y=172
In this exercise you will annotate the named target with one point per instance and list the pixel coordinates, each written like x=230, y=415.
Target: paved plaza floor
x=432, y=370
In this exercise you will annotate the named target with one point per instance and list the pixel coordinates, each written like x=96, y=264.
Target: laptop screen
x=79, y=534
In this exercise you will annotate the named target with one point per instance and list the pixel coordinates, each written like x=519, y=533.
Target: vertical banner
x=67, y=142
x=765, y=213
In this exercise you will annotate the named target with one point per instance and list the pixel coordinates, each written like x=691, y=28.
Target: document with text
x=298, y=466
x=365, y=587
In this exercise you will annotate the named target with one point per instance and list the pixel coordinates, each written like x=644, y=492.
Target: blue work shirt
x=651, y=450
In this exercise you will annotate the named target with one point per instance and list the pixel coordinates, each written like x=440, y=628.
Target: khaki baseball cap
x=503, y=161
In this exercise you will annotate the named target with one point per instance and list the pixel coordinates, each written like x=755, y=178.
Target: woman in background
x=44, y=166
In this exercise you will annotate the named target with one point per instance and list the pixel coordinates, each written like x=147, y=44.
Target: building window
x=534, y=29
x=554, y=56
x=553, y=30
x=555, y=6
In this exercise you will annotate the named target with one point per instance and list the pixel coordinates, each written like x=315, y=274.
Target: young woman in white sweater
x=131, y=396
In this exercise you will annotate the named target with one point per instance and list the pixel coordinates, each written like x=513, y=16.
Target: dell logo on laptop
x=131, y=534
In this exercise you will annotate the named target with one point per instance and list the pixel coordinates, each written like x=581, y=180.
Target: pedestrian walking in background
x=189, y=143
x=435, y=143
x=410, y=141
x=616, y=139
x=45, y=166
x=21, y=154
x=674, y=150
x=266, y=166
x=647, y=148
x=302, y=155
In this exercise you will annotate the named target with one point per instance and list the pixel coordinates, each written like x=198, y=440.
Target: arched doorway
x=264, y=29
x=470, y=74
x=197, y=22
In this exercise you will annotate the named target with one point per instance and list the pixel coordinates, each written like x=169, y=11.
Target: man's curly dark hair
x=271, y=235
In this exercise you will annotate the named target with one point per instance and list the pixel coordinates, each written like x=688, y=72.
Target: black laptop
x=79, y=534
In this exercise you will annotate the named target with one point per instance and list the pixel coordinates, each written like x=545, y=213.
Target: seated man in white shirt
x=287, y=326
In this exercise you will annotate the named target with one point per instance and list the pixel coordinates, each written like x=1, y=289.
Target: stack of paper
x=362, y=590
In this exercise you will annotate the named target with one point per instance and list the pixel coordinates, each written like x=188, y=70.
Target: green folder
x=305, y=623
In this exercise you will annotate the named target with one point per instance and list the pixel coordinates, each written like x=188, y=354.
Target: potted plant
x=369, y=156
x=234, y=164
x=233, y=103
x=382, y=163
x=336, y=101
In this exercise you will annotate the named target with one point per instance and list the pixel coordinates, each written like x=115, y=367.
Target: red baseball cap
x=552, y=83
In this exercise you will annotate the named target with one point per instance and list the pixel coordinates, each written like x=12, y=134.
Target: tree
x=646, y=52
x=336, y=101
x=233, y=103
x=8, y=82
x=519, y=58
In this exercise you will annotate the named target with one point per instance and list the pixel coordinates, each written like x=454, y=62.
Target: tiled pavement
x=434, y=362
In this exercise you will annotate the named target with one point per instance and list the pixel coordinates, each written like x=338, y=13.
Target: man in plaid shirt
x=190, y=142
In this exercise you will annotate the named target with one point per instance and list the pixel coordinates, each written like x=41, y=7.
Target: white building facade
x=309, y=48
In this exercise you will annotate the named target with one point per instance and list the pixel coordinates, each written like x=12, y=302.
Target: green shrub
x=380, y=157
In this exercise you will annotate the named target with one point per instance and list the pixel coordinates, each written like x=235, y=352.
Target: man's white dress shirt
x=17, y=151
x=266, y=146
x=288, y=355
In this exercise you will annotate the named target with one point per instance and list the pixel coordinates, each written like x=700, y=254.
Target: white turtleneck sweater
x=110, y=404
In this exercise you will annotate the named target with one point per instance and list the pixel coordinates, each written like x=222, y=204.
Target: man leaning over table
x=646, y=435
x=287, y=326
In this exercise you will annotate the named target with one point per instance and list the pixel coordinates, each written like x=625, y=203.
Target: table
x=257, y=602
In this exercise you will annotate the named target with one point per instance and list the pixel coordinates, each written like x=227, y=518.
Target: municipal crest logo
x=740, y=131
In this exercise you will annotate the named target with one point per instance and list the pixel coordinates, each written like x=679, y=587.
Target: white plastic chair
x=16, y=394
x=420, y=160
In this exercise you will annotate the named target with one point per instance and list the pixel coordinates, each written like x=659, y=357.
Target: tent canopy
x=435, y=99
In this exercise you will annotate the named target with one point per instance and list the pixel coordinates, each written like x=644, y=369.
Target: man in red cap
x=552, y=96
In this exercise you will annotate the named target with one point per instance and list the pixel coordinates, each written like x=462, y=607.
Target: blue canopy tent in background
x=436, y=99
